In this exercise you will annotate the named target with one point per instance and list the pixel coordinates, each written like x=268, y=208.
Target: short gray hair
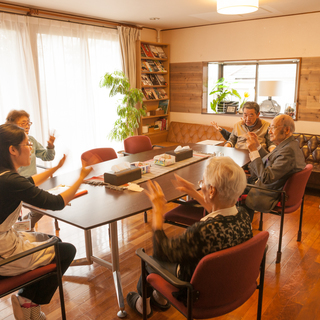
x=286, y=121
x=252, y=105
x=227, y=177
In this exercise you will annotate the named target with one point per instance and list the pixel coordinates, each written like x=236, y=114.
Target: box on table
x=145, y=168
x=122, y=177
x=164, y=160
x=181, y=155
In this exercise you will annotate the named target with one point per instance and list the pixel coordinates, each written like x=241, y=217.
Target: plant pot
x=222, y=107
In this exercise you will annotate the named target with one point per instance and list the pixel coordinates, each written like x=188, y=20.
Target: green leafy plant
x=223, y=92
x=129, y=114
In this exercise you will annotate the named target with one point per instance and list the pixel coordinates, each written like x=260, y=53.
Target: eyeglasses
x=273, y=128
x=24, y=124
x=249, y=115
x=29, y=144
x=202, y=184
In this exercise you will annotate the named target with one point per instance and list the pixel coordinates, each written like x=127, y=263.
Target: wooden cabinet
x=148, y=124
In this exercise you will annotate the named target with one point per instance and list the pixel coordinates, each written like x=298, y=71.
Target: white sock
x=159, y=298
x=139, y=305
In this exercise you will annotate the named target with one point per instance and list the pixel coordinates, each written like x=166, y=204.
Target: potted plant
x=129, y=114
x=223, y=94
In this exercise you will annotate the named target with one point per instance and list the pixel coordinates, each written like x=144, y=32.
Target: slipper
x=132, y=298
x=162, y=307
x=19, y=312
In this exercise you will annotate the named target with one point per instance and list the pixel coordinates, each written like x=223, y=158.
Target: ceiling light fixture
x=237, y=6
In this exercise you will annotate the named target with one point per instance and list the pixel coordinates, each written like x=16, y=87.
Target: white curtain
x=52, y=70
x=128, y=39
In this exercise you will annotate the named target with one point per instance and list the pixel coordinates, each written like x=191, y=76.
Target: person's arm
x=232, y=140
x=225, y=134
x=43, y=176
x=45, y=154
x=188, y=188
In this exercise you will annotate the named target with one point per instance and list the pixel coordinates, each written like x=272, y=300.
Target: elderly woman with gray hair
x=225, y=226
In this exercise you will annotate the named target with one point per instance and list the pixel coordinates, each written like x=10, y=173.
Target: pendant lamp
x=237, y=6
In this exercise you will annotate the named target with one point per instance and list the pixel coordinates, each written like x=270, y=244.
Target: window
x=244, y=76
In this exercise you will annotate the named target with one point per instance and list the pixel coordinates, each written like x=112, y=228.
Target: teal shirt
x=38, y=151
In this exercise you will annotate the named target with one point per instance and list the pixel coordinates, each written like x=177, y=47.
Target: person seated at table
x=22, y=119
x=272, y=170
x=250, y=123
x=225, y=226
x=15, y=151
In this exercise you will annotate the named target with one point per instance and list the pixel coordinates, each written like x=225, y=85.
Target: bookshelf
x=155, y=85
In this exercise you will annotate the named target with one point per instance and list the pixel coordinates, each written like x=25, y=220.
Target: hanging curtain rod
x=34, y=12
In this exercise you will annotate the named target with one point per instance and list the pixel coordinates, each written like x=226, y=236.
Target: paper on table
x=210, y=142
x=61, y=188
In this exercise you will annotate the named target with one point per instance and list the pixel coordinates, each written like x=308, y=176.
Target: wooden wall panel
x=186, y=83
x=186, y=88
x=309, y=90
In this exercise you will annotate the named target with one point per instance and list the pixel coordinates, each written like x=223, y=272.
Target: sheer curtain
x=56, y=68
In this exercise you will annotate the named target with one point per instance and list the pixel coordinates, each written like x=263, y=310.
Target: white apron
x=13, y=242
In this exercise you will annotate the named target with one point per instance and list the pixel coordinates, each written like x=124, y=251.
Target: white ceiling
x=172, y=13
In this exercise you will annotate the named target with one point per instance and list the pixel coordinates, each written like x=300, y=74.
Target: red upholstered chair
x=292, y=197
x=98, y=155
x=11, y=284
x=136, y=144
x=221, y=282
x=185, y=215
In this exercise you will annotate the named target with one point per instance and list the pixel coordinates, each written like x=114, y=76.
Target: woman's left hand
x=156, y=196
x=51, y=140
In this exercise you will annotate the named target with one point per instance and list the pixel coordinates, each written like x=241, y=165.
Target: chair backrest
x=136, y=144
x=296, y=185
x=98, y=155
x=227, y=278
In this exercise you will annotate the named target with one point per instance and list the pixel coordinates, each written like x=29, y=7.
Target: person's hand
x=215, y=125
x=85, y=171
x=62, y=161
x=252, y=141
x=158, y=200
x=51, y=140
x=184, y=186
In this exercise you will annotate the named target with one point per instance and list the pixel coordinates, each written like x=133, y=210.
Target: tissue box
x=164, y=160
x=122, y=177
x=145, y=168
x=181, y=155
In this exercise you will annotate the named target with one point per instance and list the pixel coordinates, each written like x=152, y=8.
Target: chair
x=186, y=214
x=136, y=144
x=291, y=198
x=11, y=284
x=98, y=155
x=221, y=282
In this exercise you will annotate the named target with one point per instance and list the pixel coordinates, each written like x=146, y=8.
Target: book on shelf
x=163, y=93
x=152, y=65
x=145, y=80
x=164, y=124
x=161, y=80
x=143, y=54
x=154, y=51
x=149, y=94
x=146, y=50
x=147, y=65
x=144, y=66
x=158, y=94
x=154, y=79
x=159, y=123
x=161, y=53
x=160, y=66
x=164, y=105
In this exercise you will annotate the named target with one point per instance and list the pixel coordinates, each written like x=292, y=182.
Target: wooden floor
x=292, y=288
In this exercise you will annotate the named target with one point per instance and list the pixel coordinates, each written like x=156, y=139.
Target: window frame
x=256, y=62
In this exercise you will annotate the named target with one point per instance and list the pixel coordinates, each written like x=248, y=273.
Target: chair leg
x=56, y=224
x=144, y=289
x=261, y=285
x=300, y=222
x=59, y=277
x=261, y=221
x=280, y=236
x=145, y=217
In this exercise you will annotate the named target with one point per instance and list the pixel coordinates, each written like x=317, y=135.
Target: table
x=109, y=205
